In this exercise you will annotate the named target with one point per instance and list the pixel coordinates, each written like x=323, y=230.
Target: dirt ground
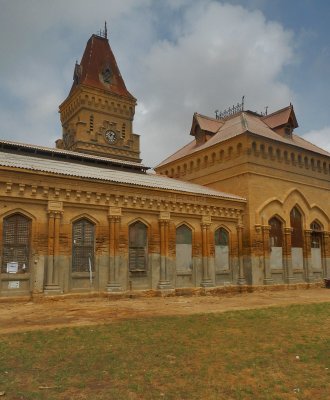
x=50, y=314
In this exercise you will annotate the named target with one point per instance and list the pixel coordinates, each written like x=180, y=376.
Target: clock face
x=111, y=136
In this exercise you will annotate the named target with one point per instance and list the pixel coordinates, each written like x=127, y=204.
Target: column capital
x=288, y=230
x=308, y=232
x=164, y=216
x=206, y=220
x=114, y=213
x=55, y=206
x=258, y=228
x=266, y=228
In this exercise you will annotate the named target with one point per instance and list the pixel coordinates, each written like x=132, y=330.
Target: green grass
x=233, y=355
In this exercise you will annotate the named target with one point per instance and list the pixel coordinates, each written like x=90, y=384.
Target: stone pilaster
x=326, y=254
x=205, y=227
x=114, y=217
x=241, y=277
x=266, y=254
x=164, y=282
x=55, y=211
x=308, y=272
x=287, y=255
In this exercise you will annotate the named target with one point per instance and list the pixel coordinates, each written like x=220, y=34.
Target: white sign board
x=12, y=267
x=13, y=285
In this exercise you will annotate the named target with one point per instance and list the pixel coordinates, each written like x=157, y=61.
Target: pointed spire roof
x=98, y=68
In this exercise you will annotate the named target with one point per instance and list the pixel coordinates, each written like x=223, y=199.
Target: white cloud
x=203, y=60
x=223, y=52
x=321, y=137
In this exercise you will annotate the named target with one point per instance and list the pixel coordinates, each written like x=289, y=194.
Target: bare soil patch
x=69, y=312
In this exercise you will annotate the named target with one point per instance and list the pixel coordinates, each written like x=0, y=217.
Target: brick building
x=246, y=202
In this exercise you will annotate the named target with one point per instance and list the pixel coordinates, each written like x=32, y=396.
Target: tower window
x=123, y=131
x=91, y=123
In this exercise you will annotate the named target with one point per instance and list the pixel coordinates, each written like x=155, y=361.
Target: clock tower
x=97, y=115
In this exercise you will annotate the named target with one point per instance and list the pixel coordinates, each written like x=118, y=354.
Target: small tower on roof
x=97, y=116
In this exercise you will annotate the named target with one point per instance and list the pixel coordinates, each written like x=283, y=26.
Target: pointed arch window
x=316, y=245
x=138, y=247
x=296, y=225
x=221, y=243
x=16, y=242
x=83, y=239
x=184, y=249
x=296, y=238
x=276, y=243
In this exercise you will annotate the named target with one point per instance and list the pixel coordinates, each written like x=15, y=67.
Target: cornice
x=130, y=200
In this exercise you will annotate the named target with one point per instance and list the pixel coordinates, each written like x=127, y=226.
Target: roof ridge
x=73, y=153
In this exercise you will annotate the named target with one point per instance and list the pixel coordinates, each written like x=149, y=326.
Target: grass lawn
x=274, y=353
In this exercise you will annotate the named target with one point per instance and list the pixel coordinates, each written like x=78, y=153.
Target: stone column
x=326, y=254
x=164, y=282
x=308, y=272
x=114, y=217
x=241, y=278
x=266, y=255
x=50, y=260
x=55, y=211
x=287, y=256
x=57, y=223
x=205, y=226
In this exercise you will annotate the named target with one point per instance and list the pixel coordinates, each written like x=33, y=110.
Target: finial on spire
x=105, y=30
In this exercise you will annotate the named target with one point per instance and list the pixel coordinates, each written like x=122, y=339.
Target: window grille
x=316, y=235
x=276, y=232
x=138, y=247
x=296, y=225
x=16, y=241
x=315, y=226
x=83, y=246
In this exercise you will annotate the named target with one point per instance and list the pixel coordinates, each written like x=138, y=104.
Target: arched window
x=296, y=238
x=16, y=243
x=83, y=238
x=183, y=248
x=276, y=243
x=221, y=243
x=138, y=247
x=316, y=245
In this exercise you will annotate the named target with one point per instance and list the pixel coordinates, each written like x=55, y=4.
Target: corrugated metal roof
x=50, y=150
x=51, y=166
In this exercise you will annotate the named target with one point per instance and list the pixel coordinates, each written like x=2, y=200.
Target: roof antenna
x=105, y=30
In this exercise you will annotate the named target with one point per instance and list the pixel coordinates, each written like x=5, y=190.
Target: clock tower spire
x=97, y=116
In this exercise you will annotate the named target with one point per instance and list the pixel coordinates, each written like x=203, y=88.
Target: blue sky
x=176, y=56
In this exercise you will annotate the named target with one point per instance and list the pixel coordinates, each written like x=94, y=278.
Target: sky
x=177, y=57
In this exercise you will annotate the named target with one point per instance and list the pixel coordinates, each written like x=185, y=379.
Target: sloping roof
x=73, y=155
x=98, y=56
x=281, y=117
x=50, y=166
x=236, y=125
x=207, y=124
